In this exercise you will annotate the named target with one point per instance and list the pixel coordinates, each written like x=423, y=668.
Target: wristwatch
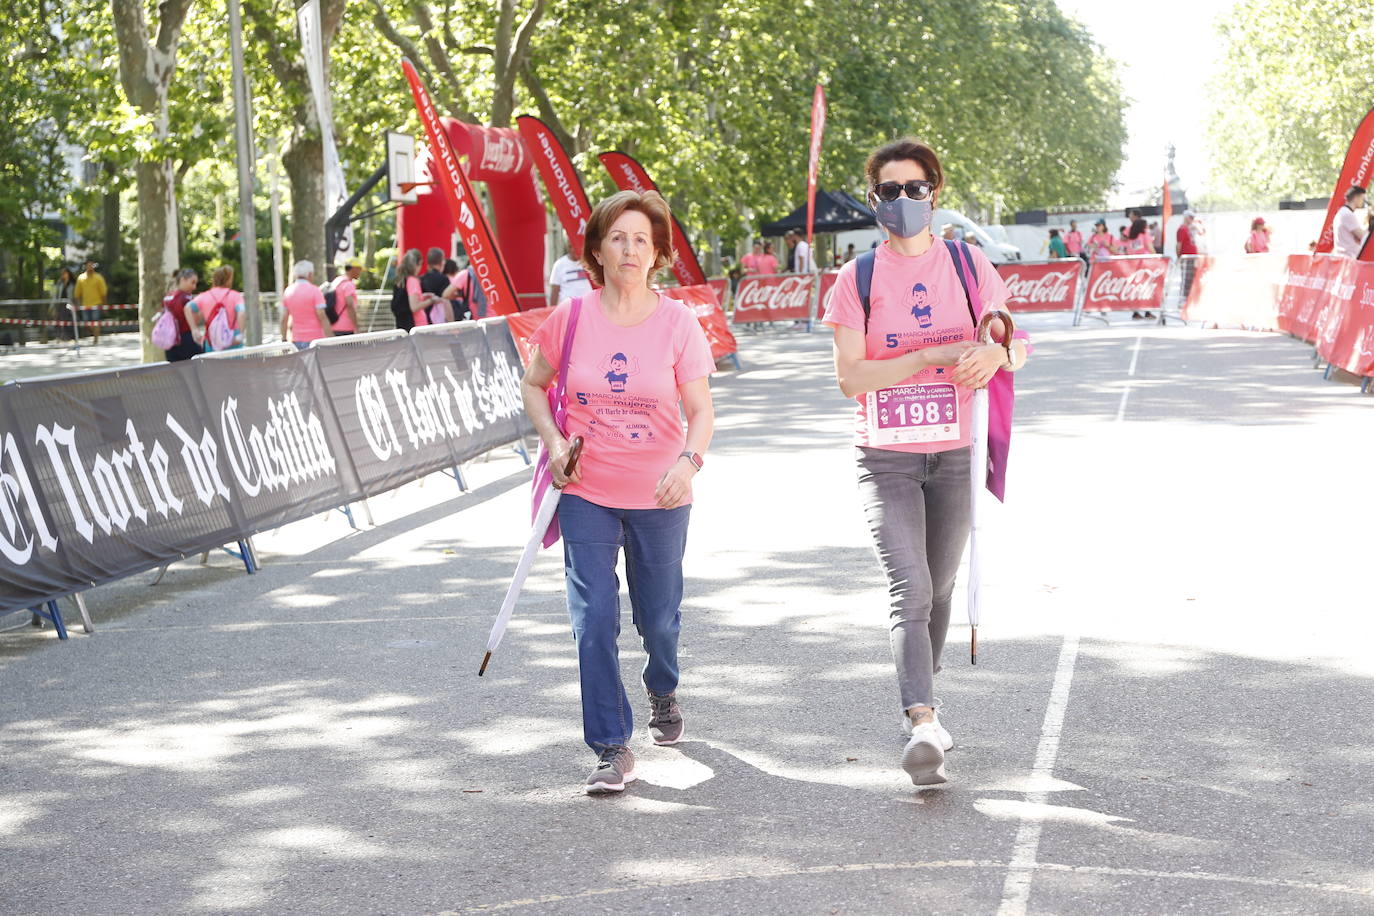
x=694, y=458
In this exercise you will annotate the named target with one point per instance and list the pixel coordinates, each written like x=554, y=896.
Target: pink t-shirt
x=301, y=299
x=413, y=289
x=623, y=394
x=342, y=290
x=1074, y=242
x=915, y=303
x=767, y=264
x=1101, y=244
x=750, y=262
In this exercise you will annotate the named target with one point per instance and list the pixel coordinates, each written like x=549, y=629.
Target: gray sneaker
x=665, y=718
x=614, y=771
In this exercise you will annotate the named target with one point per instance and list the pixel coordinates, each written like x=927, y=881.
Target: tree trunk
x=158, y=252
x=109, y=225
x=304, y=164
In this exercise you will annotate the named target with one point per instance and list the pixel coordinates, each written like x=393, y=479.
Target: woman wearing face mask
x=913, y=451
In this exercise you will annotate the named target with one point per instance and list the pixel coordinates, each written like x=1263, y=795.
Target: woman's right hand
x=945, y=354
x=558, y=462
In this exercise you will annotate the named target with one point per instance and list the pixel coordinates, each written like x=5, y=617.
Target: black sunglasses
x=891, y=190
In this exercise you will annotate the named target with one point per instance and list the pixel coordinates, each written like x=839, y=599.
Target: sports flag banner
x=523, y=326
x=1359, y=160
x=468, y=214
x=818, y=109
x=1134, y=283
x=774, y=297
x=1049, y=286
x=560, y=178
x=629, y=175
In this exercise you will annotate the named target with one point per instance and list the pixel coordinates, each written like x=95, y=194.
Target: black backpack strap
x=863, y=279
x=958, y=250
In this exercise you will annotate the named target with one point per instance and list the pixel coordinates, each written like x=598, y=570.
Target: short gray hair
x=302, y=269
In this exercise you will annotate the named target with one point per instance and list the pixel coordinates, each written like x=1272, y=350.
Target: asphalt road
x=1171, y=710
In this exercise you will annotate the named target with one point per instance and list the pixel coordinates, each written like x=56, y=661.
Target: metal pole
x=243, y=136
x=278, y=261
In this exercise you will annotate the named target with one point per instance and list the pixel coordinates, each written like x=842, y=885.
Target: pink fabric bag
x=165, y=334
x=558, y=403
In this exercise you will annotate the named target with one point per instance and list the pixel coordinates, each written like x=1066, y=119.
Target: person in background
x=62, y=294
x=799, y=254
x=461, y=284
x=1101, y=245
x=175, y=302
x=1258, y=240
x=346, y=298
x=1155, y=243
x=1139, y=244
x=1073, y=241
x=789, y=239
x=432, y=286
x=849, y=253
x=750, y=262
x=1350, y=234
x=1186, y=246
x=1057, y=247
x=200, y=311
x=768, y=262
x=302, y=308
x=91, y=293
x=407, y=304
x=569, y=278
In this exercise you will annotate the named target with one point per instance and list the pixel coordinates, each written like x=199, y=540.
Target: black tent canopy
x=836, y=211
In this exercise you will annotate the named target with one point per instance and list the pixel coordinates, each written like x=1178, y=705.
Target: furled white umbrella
x=548, y=503
x=979, y=476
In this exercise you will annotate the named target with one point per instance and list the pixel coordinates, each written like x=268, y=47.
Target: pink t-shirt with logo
x=1074, y=242
x=301, y=299
x=623, y=394
x=915, y=303
x=342, y=290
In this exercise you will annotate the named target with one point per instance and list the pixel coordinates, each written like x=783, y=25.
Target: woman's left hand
x=675, y=486
x=978, y=365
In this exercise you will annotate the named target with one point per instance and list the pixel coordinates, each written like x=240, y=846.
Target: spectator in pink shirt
x=1258, y=242
x=302, y=308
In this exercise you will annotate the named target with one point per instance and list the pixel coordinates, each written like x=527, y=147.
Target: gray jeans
x=918, y=513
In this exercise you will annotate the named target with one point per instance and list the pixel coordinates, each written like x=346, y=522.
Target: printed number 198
x=915, y=414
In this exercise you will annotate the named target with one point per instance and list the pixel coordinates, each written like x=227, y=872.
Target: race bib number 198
x=913, y=413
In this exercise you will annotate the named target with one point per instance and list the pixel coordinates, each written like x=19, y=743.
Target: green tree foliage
x=1293, y=84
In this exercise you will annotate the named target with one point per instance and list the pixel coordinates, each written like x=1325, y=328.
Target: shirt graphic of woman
x=921, y=305
x=618, y=371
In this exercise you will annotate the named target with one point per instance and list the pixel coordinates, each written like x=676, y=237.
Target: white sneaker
x=946, y=740
x=924, y=758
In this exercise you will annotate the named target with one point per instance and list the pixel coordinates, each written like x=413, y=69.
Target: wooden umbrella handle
x=985, y=328
x=574, y=453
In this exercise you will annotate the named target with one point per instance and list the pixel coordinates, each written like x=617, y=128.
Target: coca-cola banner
x=1307, y=285
x=1126, y=283
x=1345, y=327
x=1047, y=286
x=106, y=474
x=774, y=297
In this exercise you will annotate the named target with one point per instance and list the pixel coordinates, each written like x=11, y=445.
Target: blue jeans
x=654, y=541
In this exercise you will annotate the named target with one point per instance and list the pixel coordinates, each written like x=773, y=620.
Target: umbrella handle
x=985, y=328
x=574, y=453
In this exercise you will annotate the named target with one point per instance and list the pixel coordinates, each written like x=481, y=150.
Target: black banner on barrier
x=107, y=475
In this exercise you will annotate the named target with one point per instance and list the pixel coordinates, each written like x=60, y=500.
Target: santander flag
x=629, y=175
x=468, y=215
x=1359, y=161
x=560, y=178
x=818, y=109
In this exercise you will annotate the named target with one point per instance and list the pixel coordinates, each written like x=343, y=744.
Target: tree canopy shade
x=836, y=211
x=1293, y=83
x=712, y=96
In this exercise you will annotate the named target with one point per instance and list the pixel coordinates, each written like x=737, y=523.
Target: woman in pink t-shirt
x=1140, y=243
x=303, y=318
x=912, y=365
x=768, y=262
x=1258, y=242
x=637, y=358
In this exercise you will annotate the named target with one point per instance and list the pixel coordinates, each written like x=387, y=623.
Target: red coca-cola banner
x=629, y=175
x=1051, y=286
x=828, y=278
x=1126, y=283
x=468, y=215
x=774, y=297
x=1356, y=171
x=560, y=179
x=722, y=286
x=1307, y=285
x=1345, y=328
x=710, y=315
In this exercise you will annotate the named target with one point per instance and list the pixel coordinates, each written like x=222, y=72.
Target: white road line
x=1016, y=889
x=1130, y=373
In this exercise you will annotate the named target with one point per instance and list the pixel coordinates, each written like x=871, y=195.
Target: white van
x=993, y=239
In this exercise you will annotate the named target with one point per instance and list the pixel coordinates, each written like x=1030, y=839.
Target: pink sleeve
x=845, y=309
x=413, y=286
x=990, y=286
x=548, y=339
x=693, y=352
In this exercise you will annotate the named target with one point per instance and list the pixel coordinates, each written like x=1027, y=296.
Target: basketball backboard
x=400, y=160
